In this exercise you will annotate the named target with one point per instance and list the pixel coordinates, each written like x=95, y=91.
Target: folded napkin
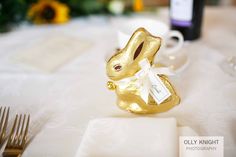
x=131, y=137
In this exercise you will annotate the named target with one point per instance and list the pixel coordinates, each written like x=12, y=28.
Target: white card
x=158, y=91
x=52, y=52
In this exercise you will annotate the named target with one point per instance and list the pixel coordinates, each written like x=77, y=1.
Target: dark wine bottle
x=186, y=17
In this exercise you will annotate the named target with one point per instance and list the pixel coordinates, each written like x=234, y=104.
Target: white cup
x=156, y=28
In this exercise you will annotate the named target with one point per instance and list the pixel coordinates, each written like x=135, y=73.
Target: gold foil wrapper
x=125, y=64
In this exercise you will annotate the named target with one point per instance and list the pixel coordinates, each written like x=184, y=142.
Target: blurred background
x=52, y=65
x=13, y=12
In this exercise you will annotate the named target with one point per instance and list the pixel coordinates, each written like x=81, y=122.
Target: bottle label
x=181, y=12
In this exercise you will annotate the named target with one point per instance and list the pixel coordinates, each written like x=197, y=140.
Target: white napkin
x=131, y=137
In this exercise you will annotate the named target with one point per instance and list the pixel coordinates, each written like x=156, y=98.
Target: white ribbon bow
x=148, y=81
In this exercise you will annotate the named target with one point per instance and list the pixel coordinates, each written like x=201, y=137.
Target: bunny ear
x=138, y=50
x=108, y=56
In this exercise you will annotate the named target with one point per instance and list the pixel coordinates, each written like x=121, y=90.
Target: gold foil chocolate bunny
x=131, y=73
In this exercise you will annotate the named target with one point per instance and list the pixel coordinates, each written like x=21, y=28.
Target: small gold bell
x=111, y=85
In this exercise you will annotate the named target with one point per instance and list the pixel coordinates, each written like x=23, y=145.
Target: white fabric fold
x=131, y=137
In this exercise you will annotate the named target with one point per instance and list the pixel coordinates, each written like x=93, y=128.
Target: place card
x=52, y=52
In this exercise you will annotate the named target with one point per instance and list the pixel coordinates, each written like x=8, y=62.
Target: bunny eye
x=138, y=50
x=117, y=67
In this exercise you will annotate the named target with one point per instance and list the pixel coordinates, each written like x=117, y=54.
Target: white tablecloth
x=62, y=102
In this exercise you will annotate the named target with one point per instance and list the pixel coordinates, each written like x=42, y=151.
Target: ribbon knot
x=148, y=81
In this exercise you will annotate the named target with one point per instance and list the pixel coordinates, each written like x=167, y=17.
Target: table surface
x=62, y=102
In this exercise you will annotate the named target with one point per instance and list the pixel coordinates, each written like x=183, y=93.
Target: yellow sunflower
x=48, y=11
x=138, y=5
